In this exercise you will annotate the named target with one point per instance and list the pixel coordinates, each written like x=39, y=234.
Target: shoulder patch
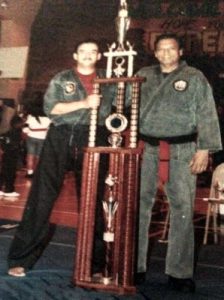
x=70, y=88
x=180, y=85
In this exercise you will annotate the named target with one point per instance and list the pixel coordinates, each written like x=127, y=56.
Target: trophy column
x=118, y=201
x=119, y=204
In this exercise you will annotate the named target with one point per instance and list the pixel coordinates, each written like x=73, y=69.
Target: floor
x=65, y=210
x=51, y=277
x=66, y=207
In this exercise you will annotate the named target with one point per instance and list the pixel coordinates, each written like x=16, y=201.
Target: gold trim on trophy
x=116, y=122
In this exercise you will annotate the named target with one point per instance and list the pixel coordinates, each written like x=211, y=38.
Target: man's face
x=168, y=53
x=87, y=55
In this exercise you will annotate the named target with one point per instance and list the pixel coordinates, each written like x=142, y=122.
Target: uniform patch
x=180, y=85
x=70, y=87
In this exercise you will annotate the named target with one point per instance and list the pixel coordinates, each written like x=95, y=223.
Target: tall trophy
x=119, y=201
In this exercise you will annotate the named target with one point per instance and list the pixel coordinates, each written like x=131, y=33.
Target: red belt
x=164, y=151
x=164, y=158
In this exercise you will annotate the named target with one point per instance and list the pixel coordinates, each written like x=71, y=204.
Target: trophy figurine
x=122, y=49
x=122, y=24
x=110, y=206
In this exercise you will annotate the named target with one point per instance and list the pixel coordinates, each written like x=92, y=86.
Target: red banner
x=203, y=32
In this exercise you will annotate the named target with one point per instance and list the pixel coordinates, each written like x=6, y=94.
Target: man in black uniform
x=68, y=101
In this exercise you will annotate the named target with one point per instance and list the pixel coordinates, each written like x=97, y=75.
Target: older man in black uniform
x=179, y=124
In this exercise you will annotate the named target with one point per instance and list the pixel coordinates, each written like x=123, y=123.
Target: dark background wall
x=60, y=24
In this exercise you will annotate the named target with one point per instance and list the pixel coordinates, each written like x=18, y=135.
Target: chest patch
x=70, y=87
x=180, y=85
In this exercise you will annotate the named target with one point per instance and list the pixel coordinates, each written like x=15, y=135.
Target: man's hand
x=93, y=101
x=199, y=162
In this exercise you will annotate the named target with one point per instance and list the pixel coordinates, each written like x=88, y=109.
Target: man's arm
x=209, y=139
x=54, y=104
x=92, y=101
x=208, y=130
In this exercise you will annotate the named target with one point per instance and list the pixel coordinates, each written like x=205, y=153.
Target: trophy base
x=108, y=286
x=97, y=278
x=124, y=166
x=107, y=280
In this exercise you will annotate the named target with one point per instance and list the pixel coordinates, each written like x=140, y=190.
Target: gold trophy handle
x=93, y=119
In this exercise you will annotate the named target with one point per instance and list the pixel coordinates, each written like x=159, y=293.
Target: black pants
x=58, y=149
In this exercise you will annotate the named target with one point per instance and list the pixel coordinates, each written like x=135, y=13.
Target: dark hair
x=166, y=36
x=34, y=105
x=16, y=120
x=86, y=41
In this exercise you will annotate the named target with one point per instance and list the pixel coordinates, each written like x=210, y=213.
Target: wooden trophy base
x=123, y=164
x=107, y=287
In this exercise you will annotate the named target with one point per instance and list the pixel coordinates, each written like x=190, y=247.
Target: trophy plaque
x=121, y=183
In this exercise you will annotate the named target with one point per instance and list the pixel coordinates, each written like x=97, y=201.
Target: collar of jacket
x=181, y=65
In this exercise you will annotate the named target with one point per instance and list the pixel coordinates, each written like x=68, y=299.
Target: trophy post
x=120, y=198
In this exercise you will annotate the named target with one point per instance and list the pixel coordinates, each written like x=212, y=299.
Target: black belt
x=77, y=127
x=71, y=126
x=154, y=141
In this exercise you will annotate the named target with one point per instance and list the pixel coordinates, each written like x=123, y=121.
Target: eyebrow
x=94, y=50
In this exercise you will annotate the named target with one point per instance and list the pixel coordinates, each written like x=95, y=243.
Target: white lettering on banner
x=221, y=42
x=211, y=42
x=202, y=35
x=178, y=23
x=173, y=8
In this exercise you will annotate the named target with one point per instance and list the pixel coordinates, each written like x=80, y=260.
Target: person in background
x=218, y=157
x=67, y=102
x=10, y=146
x=179, y=125
x=7, y=111
x=36, y=127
